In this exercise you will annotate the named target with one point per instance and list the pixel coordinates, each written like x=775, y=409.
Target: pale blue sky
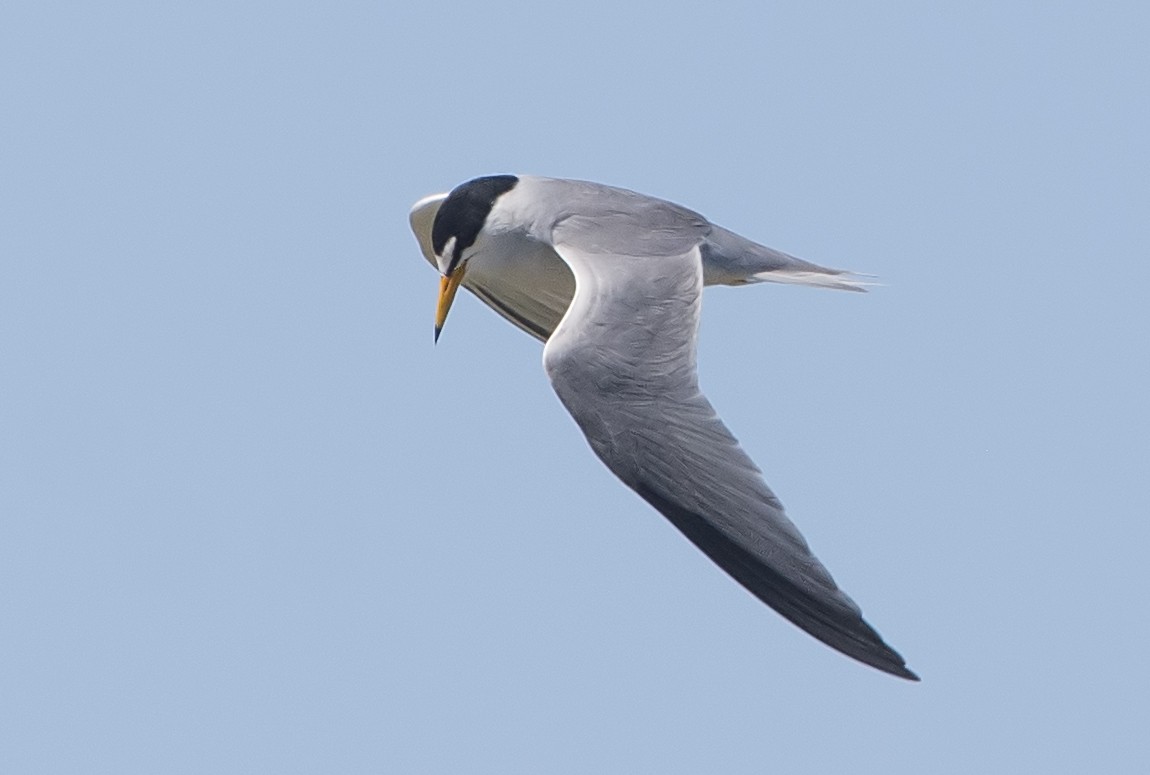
x=252, y=521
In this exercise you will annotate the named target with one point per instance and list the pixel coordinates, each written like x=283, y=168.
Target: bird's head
x=457, y=231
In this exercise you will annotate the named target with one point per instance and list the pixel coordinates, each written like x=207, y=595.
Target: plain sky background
x=251, y=520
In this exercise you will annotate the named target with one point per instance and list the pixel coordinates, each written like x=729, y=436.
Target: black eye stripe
x=464, y=212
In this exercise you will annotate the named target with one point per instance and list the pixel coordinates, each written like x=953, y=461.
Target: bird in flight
x=611, y=281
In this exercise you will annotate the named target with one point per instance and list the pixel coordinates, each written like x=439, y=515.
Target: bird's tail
x=838, y=279
x=729, y=259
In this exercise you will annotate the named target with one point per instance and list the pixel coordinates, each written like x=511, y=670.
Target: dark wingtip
x=840, y=627
x=877, y=653
x=903, y=672
x=886, y=659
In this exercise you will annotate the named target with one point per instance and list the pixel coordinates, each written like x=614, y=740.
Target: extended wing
x=623, y=363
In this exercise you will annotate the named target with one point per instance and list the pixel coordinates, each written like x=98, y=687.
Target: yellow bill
x=447, y=287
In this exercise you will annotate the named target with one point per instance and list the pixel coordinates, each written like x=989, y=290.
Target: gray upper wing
x=603, y=219
x=623, y=364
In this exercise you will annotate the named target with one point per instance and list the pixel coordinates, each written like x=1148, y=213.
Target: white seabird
x=611, y=281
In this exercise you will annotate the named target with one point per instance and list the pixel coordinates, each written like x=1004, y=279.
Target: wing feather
x=622, y=361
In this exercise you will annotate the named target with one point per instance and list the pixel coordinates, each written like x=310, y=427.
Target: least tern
x=611, y=281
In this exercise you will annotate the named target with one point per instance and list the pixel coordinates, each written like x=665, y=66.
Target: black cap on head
x=464, y=211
